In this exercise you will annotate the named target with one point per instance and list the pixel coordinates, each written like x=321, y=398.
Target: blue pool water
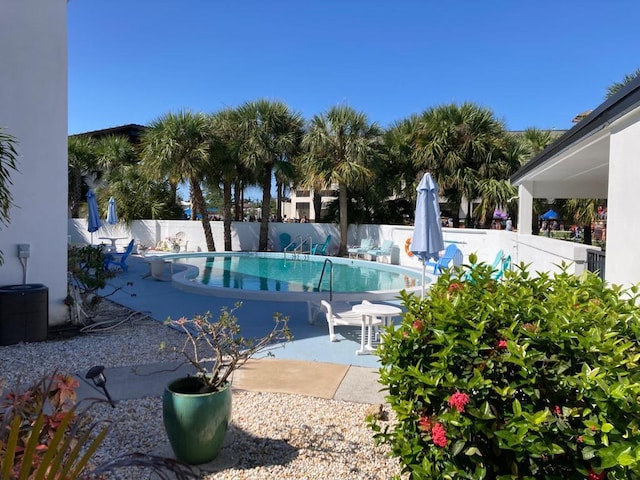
x=271, y=272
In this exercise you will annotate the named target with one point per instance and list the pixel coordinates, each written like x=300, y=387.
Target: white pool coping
x=185, y=280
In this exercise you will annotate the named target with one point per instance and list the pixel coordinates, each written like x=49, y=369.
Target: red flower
x=558, y=410
x=596, y=476
x=580, y=439
x=418, y=325
x=502, y=344
x=425, y=424
x=458, y=400
x=439, y=435
x=454, y=287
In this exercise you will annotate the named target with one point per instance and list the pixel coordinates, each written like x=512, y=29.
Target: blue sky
x=532, y=63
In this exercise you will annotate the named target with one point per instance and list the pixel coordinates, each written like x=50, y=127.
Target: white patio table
x=371, y=312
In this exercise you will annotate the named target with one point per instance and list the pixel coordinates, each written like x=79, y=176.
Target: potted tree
x=197, y=409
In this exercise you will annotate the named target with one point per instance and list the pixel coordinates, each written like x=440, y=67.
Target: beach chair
x=321, y=248
x=383, y=251
x=117, y=261
x=182, y=240
x=342, y=314
x=451, y=256
x=286, y=244
x=503, y=266
x=366, y=244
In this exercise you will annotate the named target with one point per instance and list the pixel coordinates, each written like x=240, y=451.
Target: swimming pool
x=272, y=276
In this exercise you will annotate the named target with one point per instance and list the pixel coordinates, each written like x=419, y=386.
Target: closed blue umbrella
x=112, y=214
x=427, y=241
x=94, y=222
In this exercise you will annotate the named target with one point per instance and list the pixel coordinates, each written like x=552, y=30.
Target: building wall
x=33, y=108
x=623, y=227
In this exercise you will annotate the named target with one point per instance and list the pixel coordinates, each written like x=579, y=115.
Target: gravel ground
x=272, y=436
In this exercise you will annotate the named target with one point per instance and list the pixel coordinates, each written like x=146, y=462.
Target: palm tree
x=271, y=135
x=82, y=166
x=224, y=154
x=8, y=157
x=340, y=144
x=176, y=146
x=460, y=145
x=616, y=86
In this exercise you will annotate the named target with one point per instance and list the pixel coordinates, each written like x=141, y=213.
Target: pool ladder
x=299, y=250
x=324, y=266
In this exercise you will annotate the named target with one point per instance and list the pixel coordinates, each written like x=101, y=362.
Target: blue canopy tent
x=549, y=215
x=427, y=241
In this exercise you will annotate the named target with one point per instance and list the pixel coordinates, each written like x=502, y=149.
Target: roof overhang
x=576, y=165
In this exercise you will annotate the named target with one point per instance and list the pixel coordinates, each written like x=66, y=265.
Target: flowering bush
x=531, y=377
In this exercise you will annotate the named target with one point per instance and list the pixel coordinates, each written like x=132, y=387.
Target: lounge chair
x=321, y=248
x=286, y=244
x=118, y=260
x=504, y=265
x=341, y=314
x=451, y=256
x=182, y=241
x=383, y=251
x=366, y=244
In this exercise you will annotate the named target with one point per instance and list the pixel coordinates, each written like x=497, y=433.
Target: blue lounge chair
x=366, y=244
x=504, y=265
x=286, y=244
x=383, y=251
x=118, y=260
x=321, y=248
x=451, y=256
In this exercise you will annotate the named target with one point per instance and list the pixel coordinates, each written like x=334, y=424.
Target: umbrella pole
x=424, y=268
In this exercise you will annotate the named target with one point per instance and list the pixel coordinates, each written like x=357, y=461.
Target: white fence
x=544, y=254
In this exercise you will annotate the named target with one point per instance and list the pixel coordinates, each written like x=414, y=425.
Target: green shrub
x=527, y=378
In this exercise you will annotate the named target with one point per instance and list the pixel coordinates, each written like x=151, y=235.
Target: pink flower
x=558, y=410
x=596, y=476
x=458, y=400
x=454, y=287
x=502, y=344
x=439, y=435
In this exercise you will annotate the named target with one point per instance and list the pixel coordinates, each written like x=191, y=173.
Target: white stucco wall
x=33, y=108
x=623, y=225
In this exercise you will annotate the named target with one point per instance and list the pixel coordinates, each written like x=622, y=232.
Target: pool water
x=279, y=274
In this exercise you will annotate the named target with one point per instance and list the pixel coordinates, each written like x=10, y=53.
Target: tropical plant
x=82, y=165
x=8, y=157
x=43, y=435
x=531, y=377
x=176, y=146
x=461, y=145
x=341, y=144
x=615, y=87
x=216, y=348
x=270, y=137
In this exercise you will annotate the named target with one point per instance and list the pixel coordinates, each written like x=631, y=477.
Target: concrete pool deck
x=309, y=365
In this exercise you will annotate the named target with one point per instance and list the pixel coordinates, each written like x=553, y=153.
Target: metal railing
x=299, y=249
x=596, y=262
x=324, y=266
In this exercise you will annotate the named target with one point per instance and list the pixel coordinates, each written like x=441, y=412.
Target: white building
x=33, y=108
x=597, y=158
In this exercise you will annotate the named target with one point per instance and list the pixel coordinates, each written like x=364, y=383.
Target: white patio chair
x=341, y=314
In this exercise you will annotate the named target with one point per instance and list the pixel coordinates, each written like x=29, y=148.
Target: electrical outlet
x=23, y=250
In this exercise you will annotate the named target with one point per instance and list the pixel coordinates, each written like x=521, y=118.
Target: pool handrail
x=324, y=265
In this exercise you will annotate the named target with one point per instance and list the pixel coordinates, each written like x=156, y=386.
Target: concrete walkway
x=316, y=379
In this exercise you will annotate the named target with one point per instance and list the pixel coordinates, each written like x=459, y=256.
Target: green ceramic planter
x=196, y=423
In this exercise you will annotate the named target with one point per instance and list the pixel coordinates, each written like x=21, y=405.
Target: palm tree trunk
x=344, y=222
x=76, y=195
x=279, y=190
x=266, y=203
x=226, y=195
x=201, y=207
x=317, y=206
x=238, y=200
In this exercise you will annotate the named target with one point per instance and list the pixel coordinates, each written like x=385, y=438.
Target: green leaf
x=517, y=408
